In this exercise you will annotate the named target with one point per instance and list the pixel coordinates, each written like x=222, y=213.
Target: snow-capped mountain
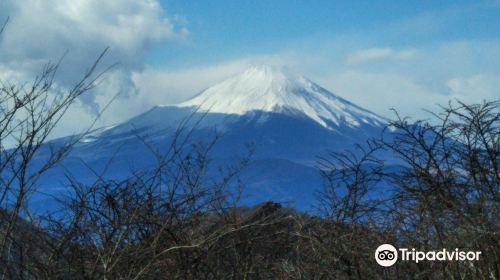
x=271, y=89
x=288, y=119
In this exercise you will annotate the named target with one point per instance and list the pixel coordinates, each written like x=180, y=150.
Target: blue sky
x=227, y=29
x=409, y=55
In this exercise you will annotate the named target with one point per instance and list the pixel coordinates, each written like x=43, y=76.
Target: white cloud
x=169, y=86
x=381, y=92
x=475, y=88
x=166, y=86
x=439, y=72
x=39, y=31
x=367, y=55
x=44, y=29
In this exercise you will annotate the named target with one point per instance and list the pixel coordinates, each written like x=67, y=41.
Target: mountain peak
x=270, y=72
x=276, y=89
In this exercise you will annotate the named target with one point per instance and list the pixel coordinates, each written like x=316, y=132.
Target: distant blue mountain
x=287, y=120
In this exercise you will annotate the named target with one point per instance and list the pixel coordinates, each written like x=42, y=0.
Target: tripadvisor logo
x=387, y=255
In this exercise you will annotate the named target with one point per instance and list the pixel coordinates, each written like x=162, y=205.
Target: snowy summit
x=271, y=89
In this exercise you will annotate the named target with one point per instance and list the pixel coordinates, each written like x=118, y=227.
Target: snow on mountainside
x=271, y=89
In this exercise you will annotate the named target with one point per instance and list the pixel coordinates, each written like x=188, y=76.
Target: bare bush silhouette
x=29, y=113
x=444, y=192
